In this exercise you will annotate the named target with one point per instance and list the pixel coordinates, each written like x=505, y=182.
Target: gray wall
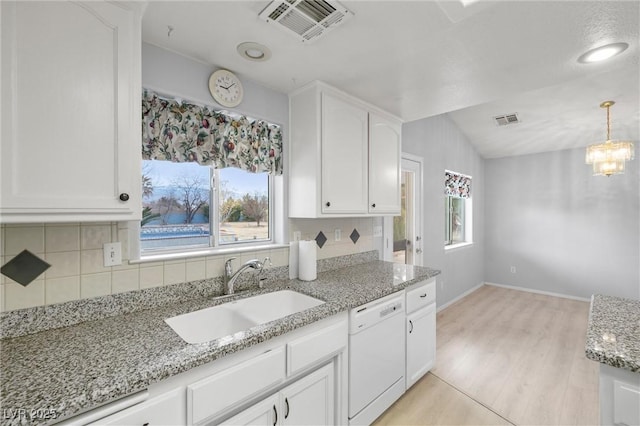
x=442, y=146
x=176, y=75
x=564, y=230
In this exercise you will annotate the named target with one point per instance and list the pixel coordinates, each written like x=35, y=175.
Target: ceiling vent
x=503, y=120
x=306, y=19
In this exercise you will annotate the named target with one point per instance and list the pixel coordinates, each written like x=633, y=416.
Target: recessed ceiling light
x=603, y=52
x=254, y=51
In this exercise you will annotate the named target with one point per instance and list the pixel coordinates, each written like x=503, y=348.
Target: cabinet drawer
x=165, y=409
x=312, y=348
x=421, y=296
x=228, y=387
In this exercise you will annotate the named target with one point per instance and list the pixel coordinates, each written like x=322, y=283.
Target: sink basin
x=229, y=318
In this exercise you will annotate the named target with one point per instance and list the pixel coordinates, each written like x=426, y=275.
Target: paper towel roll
x=293, y=260
x=307, y=260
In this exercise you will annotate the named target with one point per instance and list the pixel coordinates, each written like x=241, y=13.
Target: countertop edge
x=604, y=333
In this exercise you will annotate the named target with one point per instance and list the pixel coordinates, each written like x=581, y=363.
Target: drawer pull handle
x=124, y=197
x=410, y=324
x=276, y=413
x=423, y=295
x=286, y=402
x=328, y=204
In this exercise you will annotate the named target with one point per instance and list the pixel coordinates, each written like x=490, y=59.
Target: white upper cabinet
x=344, y=156
x=70, y=147
x=384, y=165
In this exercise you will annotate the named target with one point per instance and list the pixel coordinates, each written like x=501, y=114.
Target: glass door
x=402, y=233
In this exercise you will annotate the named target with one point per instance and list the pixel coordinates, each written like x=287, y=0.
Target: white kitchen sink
x=229, y=318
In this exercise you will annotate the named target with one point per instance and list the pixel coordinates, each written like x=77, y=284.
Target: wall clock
x=226, y=88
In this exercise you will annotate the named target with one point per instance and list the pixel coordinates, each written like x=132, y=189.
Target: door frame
x=417, y=223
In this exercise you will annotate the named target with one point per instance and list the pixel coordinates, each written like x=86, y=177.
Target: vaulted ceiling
x=418, y=59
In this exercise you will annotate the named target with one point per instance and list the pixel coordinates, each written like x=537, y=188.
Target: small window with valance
x=458, y=215
x=207, y=176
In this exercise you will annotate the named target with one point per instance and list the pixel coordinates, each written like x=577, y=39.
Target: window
x=458, y=209
x=188, y=205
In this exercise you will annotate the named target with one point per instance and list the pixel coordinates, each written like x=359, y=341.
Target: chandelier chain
x=608, y=123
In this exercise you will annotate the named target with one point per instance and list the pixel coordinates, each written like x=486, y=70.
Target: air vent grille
x=278, y=11
x=504, y=120
x=307, y=19
x=296, y=22
x=316, y=10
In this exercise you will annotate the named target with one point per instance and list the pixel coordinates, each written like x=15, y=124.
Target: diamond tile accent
x=320, y=239
x=24, y=268
x=355, y=236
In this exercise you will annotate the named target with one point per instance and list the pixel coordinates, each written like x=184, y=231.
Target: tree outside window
x=177, y=200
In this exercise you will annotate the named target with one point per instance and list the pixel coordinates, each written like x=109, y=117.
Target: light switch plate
x=112, y=254
x=337, y=234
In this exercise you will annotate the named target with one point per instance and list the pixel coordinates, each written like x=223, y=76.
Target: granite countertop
x=72, y=369
x=613, y=333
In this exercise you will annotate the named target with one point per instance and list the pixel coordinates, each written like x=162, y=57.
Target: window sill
x=457, y=246
x=217, y=251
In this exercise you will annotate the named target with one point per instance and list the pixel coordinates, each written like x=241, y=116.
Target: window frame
x=276, y=209
x=468, y=225
x=467, y=219
x=214, y=241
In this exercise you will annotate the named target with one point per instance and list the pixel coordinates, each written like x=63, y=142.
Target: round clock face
x=226, y=88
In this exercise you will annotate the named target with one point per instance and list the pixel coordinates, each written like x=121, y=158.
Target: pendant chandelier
x=609, y=158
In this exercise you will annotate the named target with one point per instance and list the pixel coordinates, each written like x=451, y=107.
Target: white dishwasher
x=376, y=357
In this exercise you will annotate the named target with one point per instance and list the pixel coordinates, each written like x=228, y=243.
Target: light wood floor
x=433, y=402
x=520, y=354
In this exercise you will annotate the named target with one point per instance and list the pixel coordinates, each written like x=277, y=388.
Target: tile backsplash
x=309, y=229
x=76, y=256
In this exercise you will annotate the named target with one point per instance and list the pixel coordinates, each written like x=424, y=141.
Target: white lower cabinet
x=166, y=409
x=619, y=396
x=421, y=339
x=420, y=330
x=263, y=413
x=308, y=401
x=222, y=390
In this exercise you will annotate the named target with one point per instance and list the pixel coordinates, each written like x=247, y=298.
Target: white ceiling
x=417, y=59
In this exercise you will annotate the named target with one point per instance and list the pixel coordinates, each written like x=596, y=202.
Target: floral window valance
x=183, y=132
x=457, y=185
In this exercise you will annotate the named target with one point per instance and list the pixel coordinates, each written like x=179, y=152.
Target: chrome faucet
x=230, y=277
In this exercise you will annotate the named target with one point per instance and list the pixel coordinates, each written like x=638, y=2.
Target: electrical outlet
x=377, y=231
x=112, y=254
x=337, y=234
x=297, y=236
x=513, y=269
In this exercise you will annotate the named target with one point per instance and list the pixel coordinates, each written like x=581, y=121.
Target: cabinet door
x=264, y=413
x=310, y=400
x=344, y=157
x=421, y=343
x=384, y=165
x=70, y=112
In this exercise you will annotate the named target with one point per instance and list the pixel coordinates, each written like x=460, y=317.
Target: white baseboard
x=547, y=293
x=454, y=300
